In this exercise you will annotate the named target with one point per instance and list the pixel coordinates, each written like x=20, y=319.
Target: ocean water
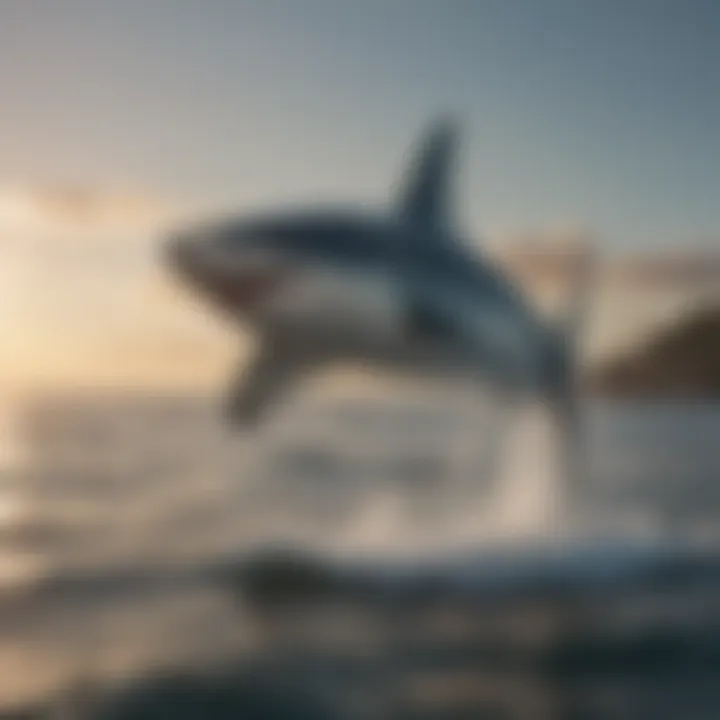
x=117, y=509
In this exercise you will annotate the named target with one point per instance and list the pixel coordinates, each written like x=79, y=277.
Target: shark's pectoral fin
x=259, y=384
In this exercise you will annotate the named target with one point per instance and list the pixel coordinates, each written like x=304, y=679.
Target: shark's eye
x=423, y=322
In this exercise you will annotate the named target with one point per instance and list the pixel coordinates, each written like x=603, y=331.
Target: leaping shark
x=399, y=290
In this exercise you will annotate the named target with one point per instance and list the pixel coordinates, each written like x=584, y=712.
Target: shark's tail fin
x=566, y=398
x=577, y=305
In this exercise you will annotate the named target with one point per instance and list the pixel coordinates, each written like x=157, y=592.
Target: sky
x=595, y=114
x=120, y=116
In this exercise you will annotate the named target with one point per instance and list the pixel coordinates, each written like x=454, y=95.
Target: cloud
x=66, y=213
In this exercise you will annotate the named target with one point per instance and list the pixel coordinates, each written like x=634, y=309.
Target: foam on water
x=372, y=486
x=537, y=522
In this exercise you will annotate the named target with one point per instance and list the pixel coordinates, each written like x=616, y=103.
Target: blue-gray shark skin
x=400, y=290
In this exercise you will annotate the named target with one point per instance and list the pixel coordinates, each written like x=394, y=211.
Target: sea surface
x=118, y=509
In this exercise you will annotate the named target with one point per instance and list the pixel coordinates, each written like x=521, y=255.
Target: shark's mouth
x=246, y=293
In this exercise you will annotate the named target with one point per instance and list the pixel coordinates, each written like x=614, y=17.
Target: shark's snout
x=235, y=278
x=179, y=254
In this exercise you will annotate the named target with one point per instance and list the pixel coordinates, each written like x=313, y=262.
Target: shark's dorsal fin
x=426, y=197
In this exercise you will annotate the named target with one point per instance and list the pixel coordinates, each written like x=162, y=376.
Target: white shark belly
x=347, y=306
x=357, y=315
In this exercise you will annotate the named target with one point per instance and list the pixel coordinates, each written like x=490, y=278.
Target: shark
x=400, y=289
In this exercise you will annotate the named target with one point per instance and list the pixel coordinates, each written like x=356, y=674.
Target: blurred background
x=129, y=512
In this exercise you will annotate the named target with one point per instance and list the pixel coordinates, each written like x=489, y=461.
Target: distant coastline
x=682, y=362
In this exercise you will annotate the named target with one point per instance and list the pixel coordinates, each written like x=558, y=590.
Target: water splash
x=532, y=498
